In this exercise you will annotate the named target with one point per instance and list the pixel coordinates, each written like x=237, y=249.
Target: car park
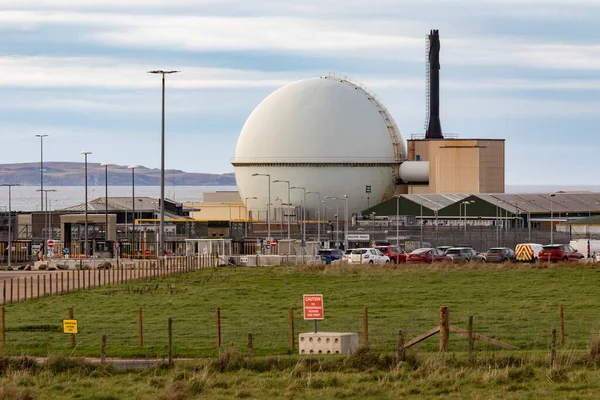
x=395, y=254
x=329, y=255
x=559, y=252
x=368, y=255
x=426, y=255
x=499, y=254
x=528, y=252
x=461, y=254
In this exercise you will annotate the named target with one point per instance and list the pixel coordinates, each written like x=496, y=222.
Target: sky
x=524, y=70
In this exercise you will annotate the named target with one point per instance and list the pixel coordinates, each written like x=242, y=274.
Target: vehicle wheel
x=394, y=261
x=371, y=262
x=565, y=259
x=388, y=261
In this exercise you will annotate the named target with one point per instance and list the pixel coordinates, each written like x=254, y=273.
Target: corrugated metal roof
x=543, y=203
x=435, y=201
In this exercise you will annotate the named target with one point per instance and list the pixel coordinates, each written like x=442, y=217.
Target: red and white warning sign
x=50, y=243
x=313, y=306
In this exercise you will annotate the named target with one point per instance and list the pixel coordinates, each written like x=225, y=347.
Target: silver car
x=461, y=254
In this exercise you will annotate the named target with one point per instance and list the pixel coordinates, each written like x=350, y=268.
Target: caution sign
x=69, y=325
x=313, y=306
x=524, y=252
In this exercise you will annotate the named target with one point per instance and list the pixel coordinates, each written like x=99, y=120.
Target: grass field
x=516, y=304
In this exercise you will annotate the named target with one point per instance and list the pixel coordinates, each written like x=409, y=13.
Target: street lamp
x=337, y=219
x=346, y=223
x=105, y=165
x=303, y=214
x=41, y=170
x=162, y=161
x=268, y=205
x=10, y=185
x=247, y=212
x=85, y=233
x=132, y=168
x=551, y=220
x=46, y=213
x=318, y=216
x=288, y=204
x=466, y=203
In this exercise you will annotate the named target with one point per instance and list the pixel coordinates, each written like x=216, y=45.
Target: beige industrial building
x=219, y=206
x=457, y=166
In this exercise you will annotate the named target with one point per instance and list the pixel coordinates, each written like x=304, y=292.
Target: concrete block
x=327, y=343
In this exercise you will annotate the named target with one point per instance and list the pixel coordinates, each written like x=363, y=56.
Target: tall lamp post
x=337, y=219
x=551, y=219
x=346, y=223
x=303, y=214
x=105, y=165
x=162, y=160
x=85, y=232
x=10, y=185
x=318, y=216
x=247, y=212
x=288, y=204
x=46, y=213
x=397, y=220
x=268, y=205
x=41, y=170
x=132, y=168
x=466, y=203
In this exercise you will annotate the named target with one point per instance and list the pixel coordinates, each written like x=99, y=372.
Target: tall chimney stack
x=434, y=130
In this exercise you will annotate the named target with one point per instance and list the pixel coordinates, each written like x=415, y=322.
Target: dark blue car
x=329, y=255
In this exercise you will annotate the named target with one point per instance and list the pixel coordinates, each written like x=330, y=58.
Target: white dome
x=326, y=135
x=320, y=120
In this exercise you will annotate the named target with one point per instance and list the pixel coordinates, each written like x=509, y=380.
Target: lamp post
x=268, y=206
x=46, y=213
x=346, y=223
x=551, y=219
x=247, y=212
x=397, y=220
x=288, y=204
x=318, y=216
x=85, y=233
x=303, y=213
x=41, y=170
x=132, y=168
x=337, y=219
x=466, y=203
x=162, y=161
x=105, y=165
x=10, y=185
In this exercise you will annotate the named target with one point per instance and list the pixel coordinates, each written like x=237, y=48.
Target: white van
x=528, y=252
x=581, y=245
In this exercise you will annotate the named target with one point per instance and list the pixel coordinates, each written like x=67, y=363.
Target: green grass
x=515, y=304
x=363, y=375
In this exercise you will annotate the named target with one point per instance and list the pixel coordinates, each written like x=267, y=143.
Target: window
x=374, y=252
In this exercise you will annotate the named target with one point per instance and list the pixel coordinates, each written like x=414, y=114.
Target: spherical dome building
x=326, y=135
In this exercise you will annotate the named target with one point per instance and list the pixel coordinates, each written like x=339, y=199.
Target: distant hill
x=72, y=174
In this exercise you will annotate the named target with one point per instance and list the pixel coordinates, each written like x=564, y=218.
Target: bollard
x=444, y=329
x=553, y=348
x=365, y=327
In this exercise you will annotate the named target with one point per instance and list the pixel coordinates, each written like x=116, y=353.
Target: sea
x=27, y=198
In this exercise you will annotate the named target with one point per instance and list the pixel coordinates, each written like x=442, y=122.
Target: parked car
x=368, y=255
x=461, y=254
x=426, y=255
x=346, y=256
x=395, y=254
x=499, y=254
x=528, y=251
x=559, y=252
x=329, y=255
x=444, y=248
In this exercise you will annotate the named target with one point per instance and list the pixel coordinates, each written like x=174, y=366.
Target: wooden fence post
x=562, y=327
x=365, y=327
x=444, y=329
x=11, y=290
x=4, y=293
x=62, y=282
x=553, y=347
x=401, y=353
x=68, y=282
x=219, y=328
x=470, y=338
x=292, y=335
x=141, y=326
x=103, y=350
x=170, y=341
x=31, y=287
x=89, y=271
x=72, y=334
x=3, y=327
x=25, y=288
x=44, y=285
x=250, y=346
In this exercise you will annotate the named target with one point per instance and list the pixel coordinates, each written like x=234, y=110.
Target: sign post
x=50, y=246
x=313, y=308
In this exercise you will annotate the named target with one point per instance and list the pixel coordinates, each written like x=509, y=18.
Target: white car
x=346, y=256
x=368, y=255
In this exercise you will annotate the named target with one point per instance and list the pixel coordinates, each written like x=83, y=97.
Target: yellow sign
x=70, y=325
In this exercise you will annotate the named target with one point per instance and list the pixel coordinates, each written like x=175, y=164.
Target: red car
x=395, y=254
x=427, y=255
x=559, y=252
